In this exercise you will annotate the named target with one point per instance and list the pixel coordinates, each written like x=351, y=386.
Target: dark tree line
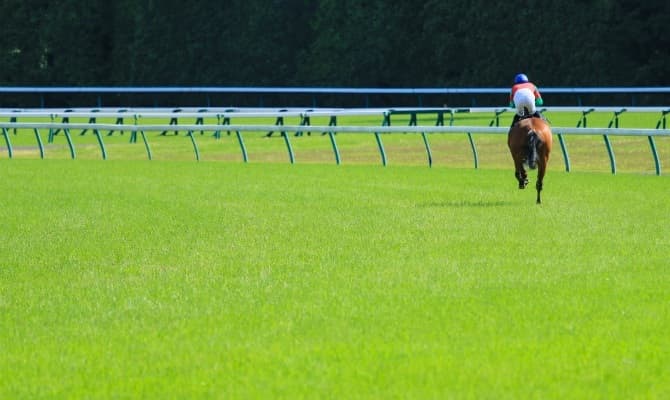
x=373, y=43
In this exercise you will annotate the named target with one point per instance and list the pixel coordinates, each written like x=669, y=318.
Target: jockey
x=524, y=97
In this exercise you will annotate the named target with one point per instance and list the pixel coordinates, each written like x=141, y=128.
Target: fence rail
x=104, y=92
x=224, y=123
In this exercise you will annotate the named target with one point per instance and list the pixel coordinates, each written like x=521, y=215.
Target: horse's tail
x=533, y=143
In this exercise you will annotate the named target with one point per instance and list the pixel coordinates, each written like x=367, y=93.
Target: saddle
x=518, y=117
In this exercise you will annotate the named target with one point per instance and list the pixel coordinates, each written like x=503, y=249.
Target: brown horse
x=529, y=141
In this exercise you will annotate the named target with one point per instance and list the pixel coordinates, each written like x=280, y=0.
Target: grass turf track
x=176, y=279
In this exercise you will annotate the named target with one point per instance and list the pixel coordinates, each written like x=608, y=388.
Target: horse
x=529, y=140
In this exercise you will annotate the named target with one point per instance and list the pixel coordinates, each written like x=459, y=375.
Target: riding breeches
x=524, y=101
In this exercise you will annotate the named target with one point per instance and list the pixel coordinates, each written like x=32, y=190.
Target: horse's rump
x=529, y=130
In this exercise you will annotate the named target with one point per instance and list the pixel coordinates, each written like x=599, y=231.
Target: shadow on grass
x=467, y=203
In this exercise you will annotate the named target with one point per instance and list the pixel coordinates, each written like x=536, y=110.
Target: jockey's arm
x=538, y=97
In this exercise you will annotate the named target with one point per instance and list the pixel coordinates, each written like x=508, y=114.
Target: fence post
x=289, y=148
x=381, y=148
x=173, y=121
x=331, y=135
x=427, y=145
x=69, y=143
x=133, y=134
x=10, y=153
x=304, y=121
x=91, y=120
x=654, y=153
x=146, y=145
x=195, y=145
x=610, y=153
x=100, y=142
x=474, y=150
x=652, y=143
x=119, y=121
x=245, y=157
x=564, y=150
x=496, y=119
x=39, y=142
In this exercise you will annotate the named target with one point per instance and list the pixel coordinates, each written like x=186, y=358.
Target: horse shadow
x=467, y=204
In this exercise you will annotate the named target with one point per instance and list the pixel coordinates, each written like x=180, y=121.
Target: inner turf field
x=171, y=278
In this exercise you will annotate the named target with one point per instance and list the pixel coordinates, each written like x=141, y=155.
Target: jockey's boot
x=515, y=119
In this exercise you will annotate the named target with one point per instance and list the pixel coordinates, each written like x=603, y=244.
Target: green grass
x=177, y=279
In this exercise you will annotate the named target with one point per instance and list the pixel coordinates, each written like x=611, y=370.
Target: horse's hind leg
x=542, y=167
x=520, y=173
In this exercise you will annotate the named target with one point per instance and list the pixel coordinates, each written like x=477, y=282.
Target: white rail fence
x=138, y=121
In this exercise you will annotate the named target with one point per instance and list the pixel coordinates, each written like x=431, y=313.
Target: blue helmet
x=520, y=78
